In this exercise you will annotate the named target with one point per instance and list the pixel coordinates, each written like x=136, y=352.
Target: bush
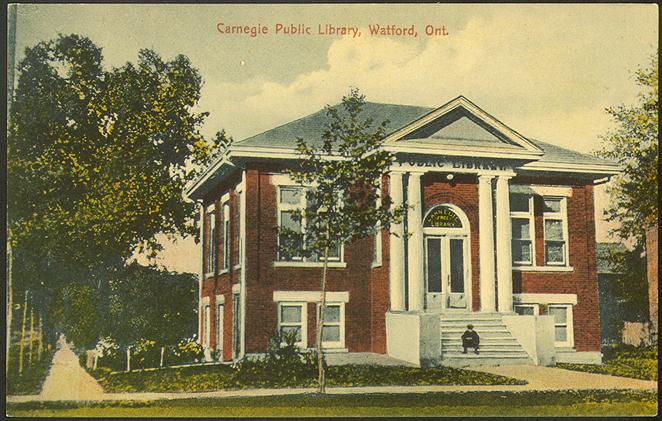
x=283, y=365
x=109, y=355
x=145, y=354
x=187, y=351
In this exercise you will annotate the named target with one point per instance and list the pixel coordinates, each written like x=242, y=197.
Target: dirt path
x=67, y=380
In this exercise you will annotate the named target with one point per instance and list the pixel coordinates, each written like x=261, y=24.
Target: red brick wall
x=379, y=291
x=262, y=278
x=583, y=279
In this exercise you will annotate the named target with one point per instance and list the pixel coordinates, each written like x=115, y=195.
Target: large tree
x=634, y=193
x=634, y=145
x=341, y=178
x=97, y=160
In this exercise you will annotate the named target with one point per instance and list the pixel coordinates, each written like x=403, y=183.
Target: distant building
x=502, y=236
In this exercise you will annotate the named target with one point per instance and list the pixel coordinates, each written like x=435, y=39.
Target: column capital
x=416, y=173
x=485, y=177
x=505, y=177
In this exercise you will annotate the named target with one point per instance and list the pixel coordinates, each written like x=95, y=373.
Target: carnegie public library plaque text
x=456, y=164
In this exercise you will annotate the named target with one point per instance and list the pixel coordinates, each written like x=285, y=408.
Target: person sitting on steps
x=470, y=339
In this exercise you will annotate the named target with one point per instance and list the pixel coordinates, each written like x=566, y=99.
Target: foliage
x=97, y=160
x=187, y=351
x=145, y=354
x=34, y=374
x=341, y=177
x=634, y=145
x=627, y=289
x=283, y=365
x=81, y=321
x=636, y=363
x=141, y=300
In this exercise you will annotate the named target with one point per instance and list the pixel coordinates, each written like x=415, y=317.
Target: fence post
x=22, y=343
x=128, y=359
x=40, y=337
x=161, y=362
x=31, y=335
x=96, y=358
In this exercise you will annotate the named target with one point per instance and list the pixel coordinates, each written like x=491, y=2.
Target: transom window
x=526, y=309
x=442, y=217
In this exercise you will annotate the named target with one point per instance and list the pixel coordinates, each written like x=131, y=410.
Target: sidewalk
x=67, y=380
x=539, y=378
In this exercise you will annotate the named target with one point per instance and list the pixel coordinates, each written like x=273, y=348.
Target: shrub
x=185, y=352
x=145, y=354
x=110, y=355
x=283, y=365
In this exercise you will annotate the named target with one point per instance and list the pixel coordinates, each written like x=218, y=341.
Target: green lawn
x=34, y=373
x=637, y=363
x=548, y=403
x=206, y=378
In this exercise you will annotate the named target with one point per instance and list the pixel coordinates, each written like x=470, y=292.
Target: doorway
x=447, y=260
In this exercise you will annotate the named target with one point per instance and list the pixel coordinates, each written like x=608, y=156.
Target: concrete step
x=478, y=329
x=484, y=355
x=488, y=362
x=510, y=341
x=476, y=323
x=470, y=316
x=485, y=336
x=483, y=348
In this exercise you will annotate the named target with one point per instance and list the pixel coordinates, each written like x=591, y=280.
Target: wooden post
x=40, y=337
x=21, y=343
x=161, y=362
x=31, y=335
x=96, y=359
x=128, y=359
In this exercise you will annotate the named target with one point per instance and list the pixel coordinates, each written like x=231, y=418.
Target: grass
x=207, y=378
x=636, y=363
x=543, y=403
x=34, y=373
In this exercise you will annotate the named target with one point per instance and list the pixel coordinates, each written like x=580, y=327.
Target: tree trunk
x=31, y=335
x=10, y=303
x=40, y=337
x=320, y=320
x=21, y=343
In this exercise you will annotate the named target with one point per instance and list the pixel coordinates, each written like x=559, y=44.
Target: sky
x=547, y=71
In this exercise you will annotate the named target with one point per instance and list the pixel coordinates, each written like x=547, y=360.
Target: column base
x=414, y=337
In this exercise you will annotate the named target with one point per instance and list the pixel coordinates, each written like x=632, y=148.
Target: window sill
x=209, y=275
x=235, y=267
x=224, y=271
x=543, y=268
x=376, y=265
x=334, y=350
x=280, y=264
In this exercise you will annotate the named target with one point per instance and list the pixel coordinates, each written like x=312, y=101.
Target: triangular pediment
x=461, y=123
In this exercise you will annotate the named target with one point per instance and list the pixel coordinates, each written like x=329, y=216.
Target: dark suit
x=470, y=339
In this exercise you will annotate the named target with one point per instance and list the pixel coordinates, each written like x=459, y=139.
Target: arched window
x=442, y=217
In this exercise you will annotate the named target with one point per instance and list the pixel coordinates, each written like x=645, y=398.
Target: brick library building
x=499, y=233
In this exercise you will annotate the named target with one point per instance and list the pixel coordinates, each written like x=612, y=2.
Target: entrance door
x=447, y=259
x=446, y=273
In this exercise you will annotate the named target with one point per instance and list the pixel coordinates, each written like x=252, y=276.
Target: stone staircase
x=497, y=345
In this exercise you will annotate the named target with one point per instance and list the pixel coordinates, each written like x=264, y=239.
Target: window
x=292, y=318
x=219, y=328
x=225, y=224
x=205, y=327
x=210, y=242
x=290, y=200
x=333, y=329
x=521, y=213
x=554, y=217
x=237, y=233
x=562, y=324
x=377, y=237
x=526, y=309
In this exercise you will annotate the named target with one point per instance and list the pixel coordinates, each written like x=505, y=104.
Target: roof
x=459, y=132
x=311, y=127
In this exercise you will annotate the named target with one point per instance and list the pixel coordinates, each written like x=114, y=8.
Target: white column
x=396, y=247
x=503, y=246
x=486, y=244
x=415, y=243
